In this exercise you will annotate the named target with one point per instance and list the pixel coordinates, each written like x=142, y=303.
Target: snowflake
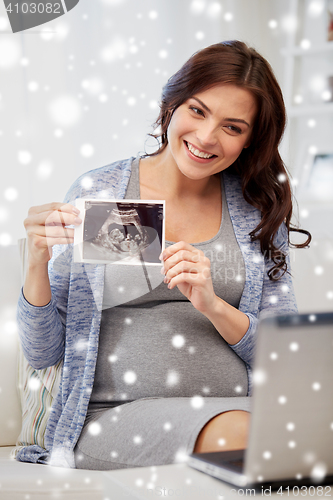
x=33, y=86
x=319, y=471
x=131, y=101
x=153, y=15
x=5, y=239
x=11, y=194
x=24, y=157
x=200, y=35
x=272, y=23
x=65, y=111
x=214, y=10
x=94, y=428
x=44, y=170
x=172, y=378
x=197, y=402
x=58, y=133
x=282, y=177
x=221, y=442
x=267, y=455
x=178, y=341
x=87, y=182
x=290, y=426
x=294, y=346
x=315, y=8
x=197, y=7
x=228, y=16
x=34, y=384
x=137, y=439
x=87, y=150
x=259, y=376
x=9, y=53
x=305, y=44
x=181, y=456
x=167, y=426
x=316, y=386
x=130, y=377
x=289, y=23
x=282, y=400
x=292, y=444
x=274, y=356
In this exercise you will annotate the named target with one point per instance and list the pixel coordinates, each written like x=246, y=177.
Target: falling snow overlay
x=84, y=91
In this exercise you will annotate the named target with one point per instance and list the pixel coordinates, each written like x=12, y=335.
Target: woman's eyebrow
x=237, y=120
x=206, y=108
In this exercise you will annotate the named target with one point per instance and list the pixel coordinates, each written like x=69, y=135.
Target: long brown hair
x=265, y=182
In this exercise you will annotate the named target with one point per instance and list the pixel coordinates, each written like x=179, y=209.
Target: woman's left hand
x=189, y=269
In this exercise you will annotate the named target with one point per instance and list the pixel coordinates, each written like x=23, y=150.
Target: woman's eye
x=197, y=111
x=234, y=130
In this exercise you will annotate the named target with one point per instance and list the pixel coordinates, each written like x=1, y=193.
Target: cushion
x=37, y=390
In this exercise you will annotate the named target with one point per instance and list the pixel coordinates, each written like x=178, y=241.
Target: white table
x=23, y=481
x=180, y=482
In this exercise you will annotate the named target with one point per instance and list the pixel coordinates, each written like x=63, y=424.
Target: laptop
x=291, y=430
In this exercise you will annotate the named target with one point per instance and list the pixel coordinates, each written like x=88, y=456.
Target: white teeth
x=197, y=153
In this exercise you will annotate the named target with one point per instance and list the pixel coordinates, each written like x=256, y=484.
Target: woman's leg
x=226, y=431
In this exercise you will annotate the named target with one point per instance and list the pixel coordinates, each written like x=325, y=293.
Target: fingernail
x=77, y=220
x=166, y=280
x=163, y=270
x=76, y=211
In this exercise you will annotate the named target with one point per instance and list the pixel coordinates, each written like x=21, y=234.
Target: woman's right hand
x=46, y=226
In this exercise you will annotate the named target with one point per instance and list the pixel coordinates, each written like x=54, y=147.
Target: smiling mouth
x=197, y=153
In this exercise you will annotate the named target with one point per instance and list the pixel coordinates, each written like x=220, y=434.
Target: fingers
x=188, y=268
x=52, y=219
x=182, y=252
x=183, y=263
x=50, y=207
x=46, y=226
x=176, y=247
x=52, y=232
x=193, y=279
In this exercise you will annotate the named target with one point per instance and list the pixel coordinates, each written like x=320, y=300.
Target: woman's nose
x=207, y=135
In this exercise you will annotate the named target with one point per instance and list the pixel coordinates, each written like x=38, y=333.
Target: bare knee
x=226, y=431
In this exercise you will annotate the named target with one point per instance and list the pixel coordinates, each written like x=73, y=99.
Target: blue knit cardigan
x=68, y=327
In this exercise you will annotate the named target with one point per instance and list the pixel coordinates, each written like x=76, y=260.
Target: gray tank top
x=153, y=342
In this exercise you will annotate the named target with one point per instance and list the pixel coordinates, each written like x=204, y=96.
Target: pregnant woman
x=151, y=373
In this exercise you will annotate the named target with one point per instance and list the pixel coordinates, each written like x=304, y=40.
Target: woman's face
x=208, y=132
